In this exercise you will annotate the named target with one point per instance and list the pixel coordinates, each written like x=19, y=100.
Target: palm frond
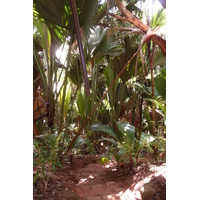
x=57, y=16
x=108, y=45
x=87, y=15
x=131, y=46
x=159, y=19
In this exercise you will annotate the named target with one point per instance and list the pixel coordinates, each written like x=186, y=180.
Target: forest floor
x=86, y=179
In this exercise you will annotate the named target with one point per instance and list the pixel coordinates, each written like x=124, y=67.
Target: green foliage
x=64, y=97
x=106, y=50
x=123, y=146
x=83, y=104
x=47, y=154
x=56, y=15
x=47, y=149
x=149, y=141
x=128, y=132
x=104, y=43
x=75, y=73
x=103, y=160
x=87, y=15
x=83, y=145
x=159, y=19
x=115, y=95
x=106, y=129
x=131, y=46
x=159, y=59
x=160, y=83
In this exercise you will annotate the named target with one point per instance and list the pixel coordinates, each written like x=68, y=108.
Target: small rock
x=147, y=191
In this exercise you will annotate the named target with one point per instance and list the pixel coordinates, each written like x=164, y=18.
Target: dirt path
x=94, y=181
x=95, y=184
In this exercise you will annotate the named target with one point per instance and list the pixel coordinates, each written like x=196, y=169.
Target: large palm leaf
x=159, y=19
x=104, y=42
x=87, y=15
x=57, y=16
x=119, y=62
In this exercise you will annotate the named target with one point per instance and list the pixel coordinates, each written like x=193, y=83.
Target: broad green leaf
x=146, y=138
x=160, y=83
x=87, y=15
x=106, y=129
x=130, y=46
x=109, y=140
x=108, y=45
x=128, y=131
x=80, y=140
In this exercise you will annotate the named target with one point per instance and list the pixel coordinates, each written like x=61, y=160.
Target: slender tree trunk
x=151, y=59
x=152, y=86
x=78, y=35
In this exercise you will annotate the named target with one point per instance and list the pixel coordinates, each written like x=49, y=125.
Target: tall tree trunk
x=78, y=35
x=152, y=86
x=151, y=59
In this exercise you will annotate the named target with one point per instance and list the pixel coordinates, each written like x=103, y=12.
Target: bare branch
x=118, y=17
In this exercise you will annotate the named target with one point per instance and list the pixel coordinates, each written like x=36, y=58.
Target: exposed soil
x=85, y=179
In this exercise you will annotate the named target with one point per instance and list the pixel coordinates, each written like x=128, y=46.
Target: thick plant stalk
x=78, y=35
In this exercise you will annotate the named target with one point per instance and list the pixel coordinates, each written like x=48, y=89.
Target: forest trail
x=83, y=179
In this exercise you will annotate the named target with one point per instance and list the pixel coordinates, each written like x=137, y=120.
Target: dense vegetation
x=108, y=96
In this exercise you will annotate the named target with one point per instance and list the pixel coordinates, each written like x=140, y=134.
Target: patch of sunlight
x=102, y=1
x=125, y=195
x=61, y=53
x=120, y=193
x=58, y=86
x=161, y=172
x=90, y=176
x=107, y=166
x=83, y=180
x=110, y=164
x=128, y=194
x=111, y=197
x=153, y=7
